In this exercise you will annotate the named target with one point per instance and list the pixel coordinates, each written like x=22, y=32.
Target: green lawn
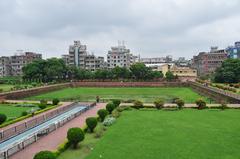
x=144, y=94
x=11, y=111
x=185, y=134
x=6, y=87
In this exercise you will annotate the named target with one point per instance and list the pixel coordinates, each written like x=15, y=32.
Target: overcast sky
x=151, y=28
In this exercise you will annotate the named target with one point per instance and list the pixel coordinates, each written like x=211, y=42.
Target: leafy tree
x=229, y=72
x=120, y=72
x=55, y=101
x=3, y=118
x=102, y=113
x=91, y=123
x=74, y=136
x=159, y=103
x=180, y=103
x=139, y=71
x=110, y=107
x=169, y=76
x=201, y=104
x=138, y=104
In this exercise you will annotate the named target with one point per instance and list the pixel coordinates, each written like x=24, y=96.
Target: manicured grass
x=143, y=94
x=6, y=87
x=11, y=111
x=151, y=134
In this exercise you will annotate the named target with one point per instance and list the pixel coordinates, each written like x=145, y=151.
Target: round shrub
x=201, y=104
x=102, y=113
x=180, y=103
x=110, y=107
x=137, y=104
x=24, y=113
x=91, y=123
x=116, y=102
x=159, y=103
x=55, y=101
x=74, y=136
x=42, y=106
x=45, y=155
x=3, y=118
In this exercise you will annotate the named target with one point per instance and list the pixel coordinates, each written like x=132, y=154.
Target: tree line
x=55, y=69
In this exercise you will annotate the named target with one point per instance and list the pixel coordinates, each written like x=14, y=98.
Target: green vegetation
x=126, y=94
x=74, y=136
x=6, y=87
x=45, y=155
x=91, y=123
x=181, y=134
x=11, y=111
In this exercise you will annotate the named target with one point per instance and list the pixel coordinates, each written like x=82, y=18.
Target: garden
x=129, y=94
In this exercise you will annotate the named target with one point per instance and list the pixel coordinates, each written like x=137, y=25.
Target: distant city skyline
x=156, y=28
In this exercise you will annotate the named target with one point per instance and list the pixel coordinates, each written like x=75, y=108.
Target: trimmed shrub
x=109, y=121
x=116, y=114
x=116, y=102
x=55, y=101
x=223, y=106
x=180, y=103
x=3, y=118
x=42, y=106
x=24, y=113
x=201, y=104
x=74, y=136
x=159, y=103
x=45, y=155
x=137, y=104
x=110, y=107
x=91, y=123
x=102, y=113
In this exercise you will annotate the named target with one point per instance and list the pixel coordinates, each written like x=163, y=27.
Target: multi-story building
x=157, y=60
x=234, y=51
x=207, y=62
x=5, y=69
x=79, y=57
x=120, y=56
x=12, y=66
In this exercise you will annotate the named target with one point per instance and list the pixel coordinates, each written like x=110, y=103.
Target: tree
x=120, y=72
x=3, y=118
x=139, y=71
x=45, y=155
x=116, y=102
x=74, y=136
x=169, y=76
x=55, y=101
x=229, y=72
x=201, y=104
x=102, y=113
x=110, y=107
x=180, y=103
x=91, y=123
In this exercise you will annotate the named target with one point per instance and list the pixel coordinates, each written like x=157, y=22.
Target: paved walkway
x=54, y=139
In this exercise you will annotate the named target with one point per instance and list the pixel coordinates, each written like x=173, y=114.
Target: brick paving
x=54, y=139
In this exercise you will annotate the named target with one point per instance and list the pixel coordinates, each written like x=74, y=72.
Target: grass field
x=11, y=111
x=151, y=134
x=143, y=94
x=6, y=87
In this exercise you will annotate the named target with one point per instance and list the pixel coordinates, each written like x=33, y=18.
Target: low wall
x=216, y=94
x=33, y=91
x=129, y=84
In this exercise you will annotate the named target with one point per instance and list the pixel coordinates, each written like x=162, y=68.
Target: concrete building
x=12, y=66
x=120, y=56
x=157, y=60
x=207, y=62
x=234, y=51
x=79, y=57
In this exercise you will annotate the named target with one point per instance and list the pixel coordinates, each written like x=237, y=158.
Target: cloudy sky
x=150, y=28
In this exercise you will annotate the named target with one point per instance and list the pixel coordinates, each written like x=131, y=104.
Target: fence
x=218, y=94
x=13, y=131
x=16, y=147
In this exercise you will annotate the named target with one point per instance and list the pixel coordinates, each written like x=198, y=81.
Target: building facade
x=12, y=66
x=234, y=51
x=157, y=60
x=79, y=57
x=207, y=62
x=120, y=56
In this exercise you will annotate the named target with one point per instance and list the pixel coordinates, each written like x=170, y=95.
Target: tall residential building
x=12, y=66
x=234, y=51
x=79, y=57
x=207, y=62
x=120, y=56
